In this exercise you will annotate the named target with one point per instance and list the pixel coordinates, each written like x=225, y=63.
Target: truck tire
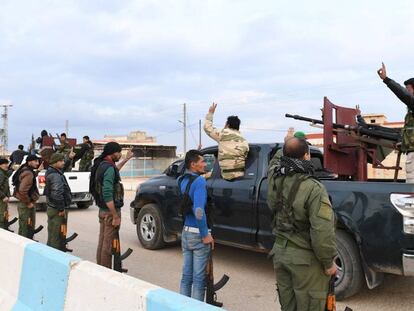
x=350, y=275
x=150, y=227
x=84, y=205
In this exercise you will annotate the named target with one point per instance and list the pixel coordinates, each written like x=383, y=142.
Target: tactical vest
x=408, y=133
x=186, y=203
x=118, y=191
x=283, y=216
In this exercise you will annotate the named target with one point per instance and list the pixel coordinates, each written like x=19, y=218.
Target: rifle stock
x=116, y=253
x=7, y=222
x=32, y=230
x=211, y=295
x=64, y=240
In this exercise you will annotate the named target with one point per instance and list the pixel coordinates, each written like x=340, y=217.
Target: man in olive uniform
x=27, y=193
x=406, y=95
x=65, y=149
x=232, y=147
x=58, y=196
x=86, y=155
x=108, y=192
x=303, y=223
x=4, y=193
x=278, y=155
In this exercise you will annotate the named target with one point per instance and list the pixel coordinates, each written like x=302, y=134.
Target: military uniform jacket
x=408, y=99
x=4, y=184
x=233, y=149
x=312, y=215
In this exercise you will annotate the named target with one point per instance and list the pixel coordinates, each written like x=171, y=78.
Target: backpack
x=92, y=180
x=283, y=218
x=186, y=204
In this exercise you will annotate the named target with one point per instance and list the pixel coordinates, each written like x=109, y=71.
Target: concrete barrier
x=37, y=277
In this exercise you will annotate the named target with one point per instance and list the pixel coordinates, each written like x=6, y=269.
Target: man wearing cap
x=27, y=193
x=406, y=95
x=4, y=193
x=58, y=197
x=107, y=189
x=279, y=153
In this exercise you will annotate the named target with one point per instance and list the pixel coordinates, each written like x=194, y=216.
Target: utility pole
x=67, y=128
x=4, y=132
x=199, y=133
x=185, y=128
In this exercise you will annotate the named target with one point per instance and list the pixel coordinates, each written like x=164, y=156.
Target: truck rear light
x=404, y=203
x=42, y=181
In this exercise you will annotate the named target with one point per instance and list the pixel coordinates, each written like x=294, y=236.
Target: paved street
x=251, y=285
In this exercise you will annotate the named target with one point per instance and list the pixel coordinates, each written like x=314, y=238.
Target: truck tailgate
x=78, y=181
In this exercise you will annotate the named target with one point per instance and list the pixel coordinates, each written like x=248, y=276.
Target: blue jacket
x=198, y=195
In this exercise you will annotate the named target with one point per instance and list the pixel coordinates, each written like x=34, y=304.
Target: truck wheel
x=84, y=205
x=150, y=227
x=350, y=276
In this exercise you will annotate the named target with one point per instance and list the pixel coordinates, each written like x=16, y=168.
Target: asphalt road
x=252, y=281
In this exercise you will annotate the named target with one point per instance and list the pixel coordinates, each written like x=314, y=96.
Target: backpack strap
x=191, y=179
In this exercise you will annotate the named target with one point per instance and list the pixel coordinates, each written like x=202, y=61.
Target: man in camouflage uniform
x=67, y=151
x=232, y=147
x=303, y=223
x=4, y=193
x=86, y=155
x=406, y=95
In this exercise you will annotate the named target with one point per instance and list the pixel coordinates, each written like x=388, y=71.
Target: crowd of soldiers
x=303, y=220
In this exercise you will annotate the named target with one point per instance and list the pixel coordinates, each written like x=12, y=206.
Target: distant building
x=150, y=158
x=316, y=139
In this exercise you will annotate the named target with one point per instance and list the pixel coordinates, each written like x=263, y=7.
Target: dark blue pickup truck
x=375, y=219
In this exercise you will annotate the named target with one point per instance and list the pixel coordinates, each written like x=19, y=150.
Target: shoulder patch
x=325, y=211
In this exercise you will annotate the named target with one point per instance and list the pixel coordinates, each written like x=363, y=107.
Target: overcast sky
x=111, y=67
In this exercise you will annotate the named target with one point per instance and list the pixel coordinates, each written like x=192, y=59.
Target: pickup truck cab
x=375, y=219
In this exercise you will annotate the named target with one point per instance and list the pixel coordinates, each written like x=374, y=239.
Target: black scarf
x=289, y=166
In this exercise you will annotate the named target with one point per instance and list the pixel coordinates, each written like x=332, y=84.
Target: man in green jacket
x=4, y=193
x=303, y=223
x=406, y=95
x=108, y=192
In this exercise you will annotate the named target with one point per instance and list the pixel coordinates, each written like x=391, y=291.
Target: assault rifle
x=116, y=253
x=7, y=222
x=362, y=128
x=63, y=233
x=331, y=299
x=32, y=230
x=212, y=288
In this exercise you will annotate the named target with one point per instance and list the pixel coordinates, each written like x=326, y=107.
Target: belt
x=193, y=229
x=233, y=170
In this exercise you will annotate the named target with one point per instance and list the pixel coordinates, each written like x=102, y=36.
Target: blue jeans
x=196, y=254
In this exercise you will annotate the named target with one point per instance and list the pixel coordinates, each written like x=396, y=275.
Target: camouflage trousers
x=409, y=168
x=301, y=282
x=54, y=223
x=3, y=214
x=85, y=166
x=25, y=214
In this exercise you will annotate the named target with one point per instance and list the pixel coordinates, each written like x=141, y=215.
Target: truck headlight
x=404, y=203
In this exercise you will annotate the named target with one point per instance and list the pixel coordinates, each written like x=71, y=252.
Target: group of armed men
x=107, y=189
x=303, y=219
